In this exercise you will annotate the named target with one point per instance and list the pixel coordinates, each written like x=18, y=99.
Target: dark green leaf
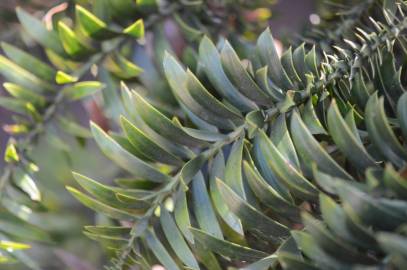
x=226, y=248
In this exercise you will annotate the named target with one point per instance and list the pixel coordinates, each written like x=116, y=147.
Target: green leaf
x=101, y=207
x=262, y=163
x=265, y=83
x=281, y=138
x=311, y=120
x=269, y=56
x=395, y=182
x=240, y=77
x=307, y=244
x=73, y=128
x=208, y=101
x=36, y=29
x=27, y=62
x=402, y=114
x=203, y=209
x=359, y=91
x=124, y=159
x=263, y=264
x=190, y=32
x=135, y=30
x=105, y=194
x=299, y=62
x=181, y=215
x=111, y=242
x=176, y=149
x=71, y=43
x=92, y=25
x=82, y=89
x=161, y=124
x=334, y=246
x=115, y=231
x=251, y=218
x=226, y=248
x=11, y=246
x=20, y=76
x=233, y=170
x=176, y=240
x=10, y=154
x=267, y=194
x=346, y=141
x=143, y=144
x=289, y=175
x=25, y=94
x=177, y=78
x=388, y=79
x=159, y=250
x=204, y=135
x=125, y=143
x=311, y=62
x=64, y=78
x=14, y=105
x=24, y=231
x=211, y=64
x=24, y=181
x=217, y=170
x=310, y=150
x=290, y=262
x=288, y=65
x=207, y=258
x=368, y=209
x=395, y=245
x=121, y=67
x=381, y=133
x=338, y=221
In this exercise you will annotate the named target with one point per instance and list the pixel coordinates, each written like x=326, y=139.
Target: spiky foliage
x=293, y=163
x=89, y=47
x=296, y=162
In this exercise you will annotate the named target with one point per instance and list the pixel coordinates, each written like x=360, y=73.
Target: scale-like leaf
x=145, y=145
x=251, y=217
x=240, y=77
x=124, y=159
x=136, y=29
x=92, y=25
x=82, y=89
x=203, y=208
x=402, y=114
x=211, y=63
x=285, y=172
x=161, y=124
x=346, y=141
x=176, y=240
x=226, y=248
x=101, y=207
x=27, y=62
x=36, y=29
x=310, y=150
x=16, y=74
x=218, y=171
x=269, y=56
x=159, y=251
x=381, y=133
x=267, y=194
x=177, y=79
